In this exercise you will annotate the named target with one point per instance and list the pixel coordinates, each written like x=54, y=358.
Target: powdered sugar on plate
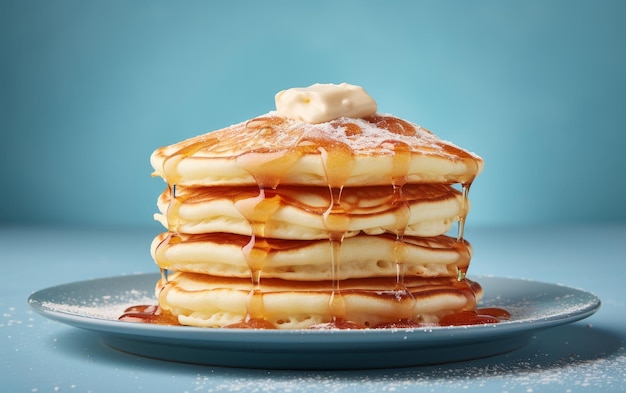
x=106, y=307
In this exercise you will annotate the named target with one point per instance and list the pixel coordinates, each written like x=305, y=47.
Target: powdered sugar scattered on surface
x=567, y=378
x=533, y=374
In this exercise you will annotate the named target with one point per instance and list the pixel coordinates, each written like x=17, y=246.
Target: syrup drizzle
x=338, y=163
x=336, y=223
x=465, y=187
x=401, y=163
x=148, y=314
x=268, y=166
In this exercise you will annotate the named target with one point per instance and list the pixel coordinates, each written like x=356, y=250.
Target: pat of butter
x=320, y=103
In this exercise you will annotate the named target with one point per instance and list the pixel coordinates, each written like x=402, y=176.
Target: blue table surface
x=40, y=355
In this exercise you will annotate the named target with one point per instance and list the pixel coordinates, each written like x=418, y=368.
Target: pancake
x=297, y=212
x=361, y=256
x=323, y=213
x=271, y=150
x=208, y=301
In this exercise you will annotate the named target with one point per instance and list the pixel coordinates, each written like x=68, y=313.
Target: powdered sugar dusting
x=371, y=136
x=108, y=307
x=515, y=375
x=274, y=132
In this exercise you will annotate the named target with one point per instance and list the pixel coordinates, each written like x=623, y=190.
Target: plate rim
x=95, y=323
x=306, y=349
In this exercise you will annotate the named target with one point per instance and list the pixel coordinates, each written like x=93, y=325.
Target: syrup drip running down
x=267, y=167
x=173, y=222
x=257, y=211
x=337, y=162
x=336, y=223
x=465, y=187
x=402, y=294
x=401, y=163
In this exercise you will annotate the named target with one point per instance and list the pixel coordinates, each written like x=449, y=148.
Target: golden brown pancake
x=271, y=150
x=362, y=256
x=208, y=301
x=297, y=211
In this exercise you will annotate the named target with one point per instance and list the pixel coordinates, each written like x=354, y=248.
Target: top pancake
x=272, y=150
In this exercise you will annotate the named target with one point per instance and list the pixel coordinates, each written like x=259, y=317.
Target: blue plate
x=96, y=304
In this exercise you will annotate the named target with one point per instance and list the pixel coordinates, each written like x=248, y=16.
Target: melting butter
x=320, y=103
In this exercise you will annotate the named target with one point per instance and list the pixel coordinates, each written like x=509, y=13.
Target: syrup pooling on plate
x=148, y=314
x=153, y=314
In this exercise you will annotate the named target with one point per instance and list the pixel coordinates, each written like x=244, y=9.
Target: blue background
x=89, y=89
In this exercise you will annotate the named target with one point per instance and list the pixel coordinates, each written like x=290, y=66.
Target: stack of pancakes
x=280, y=223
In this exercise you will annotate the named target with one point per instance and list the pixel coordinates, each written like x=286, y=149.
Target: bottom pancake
x=209, y=301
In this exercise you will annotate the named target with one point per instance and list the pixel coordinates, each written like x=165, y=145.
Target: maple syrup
x=268, y=165
x=152, y=314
